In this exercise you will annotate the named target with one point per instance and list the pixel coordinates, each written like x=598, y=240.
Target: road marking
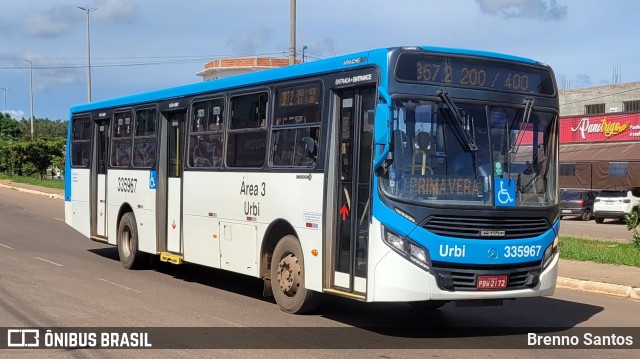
x=5, y=246
x=58, y=219
x=48, y=261
x=120, y=285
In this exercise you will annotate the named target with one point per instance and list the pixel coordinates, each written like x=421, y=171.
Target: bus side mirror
x=383, y=128
x=383, y=131
x=383, y=124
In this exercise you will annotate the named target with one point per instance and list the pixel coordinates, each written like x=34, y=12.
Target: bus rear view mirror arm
x=383, y=127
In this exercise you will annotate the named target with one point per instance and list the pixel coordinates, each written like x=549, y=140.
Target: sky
x=142, y=45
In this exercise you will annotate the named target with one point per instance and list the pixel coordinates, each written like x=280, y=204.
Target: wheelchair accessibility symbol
x=504, y=191
x=153, y=179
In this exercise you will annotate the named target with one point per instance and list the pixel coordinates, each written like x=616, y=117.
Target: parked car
x=615, y=203
x=577, y=203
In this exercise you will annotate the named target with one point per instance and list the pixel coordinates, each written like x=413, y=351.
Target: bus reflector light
x=314, y=252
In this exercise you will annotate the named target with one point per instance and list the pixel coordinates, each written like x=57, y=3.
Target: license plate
x=492, y=282
x=566, y=211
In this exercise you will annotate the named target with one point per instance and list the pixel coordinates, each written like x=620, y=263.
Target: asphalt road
x=51, y=276
x=610, y=229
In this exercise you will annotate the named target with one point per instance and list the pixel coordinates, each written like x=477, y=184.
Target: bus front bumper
x=397, y=279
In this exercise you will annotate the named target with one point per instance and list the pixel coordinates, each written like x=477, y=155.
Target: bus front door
x=353, y=189
x=99, y=180
x=172, y=173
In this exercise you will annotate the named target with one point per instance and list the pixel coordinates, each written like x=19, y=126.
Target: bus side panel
x=80, y=187
x=237, y=206
x=141, y=196
x=115, y=199
x=296, y=198
x=200, y=220
x=68, y=213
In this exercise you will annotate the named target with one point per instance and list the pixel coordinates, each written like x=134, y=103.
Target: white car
x=615, y=203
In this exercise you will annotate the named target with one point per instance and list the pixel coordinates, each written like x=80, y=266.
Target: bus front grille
x=486, y=228
x=453, y=277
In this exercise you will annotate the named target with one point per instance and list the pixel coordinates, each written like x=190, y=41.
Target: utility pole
x=88, y=10
x=292, y=36
x=31, y=92
x=5, y=97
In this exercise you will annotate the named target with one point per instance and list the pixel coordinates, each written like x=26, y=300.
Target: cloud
x=325, y=47
x=248, y=43
x=541, y=9
x=15, y=114
x=60, y=20
x=119, y=11
x=51, y=23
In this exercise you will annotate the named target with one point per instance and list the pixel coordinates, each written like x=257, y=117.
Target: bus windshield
x=433, y=164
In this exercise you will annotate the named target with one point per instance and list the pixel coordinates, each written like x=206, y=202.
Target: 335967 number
x=127, y=184
x=522, y=251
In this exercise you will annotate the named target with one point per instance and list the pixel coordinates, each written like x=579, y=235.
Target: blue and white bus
x=414, y=174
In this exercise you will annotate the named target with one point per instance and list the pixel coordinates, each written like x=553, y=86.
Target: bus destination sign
x=299, y=95
x=474, y=73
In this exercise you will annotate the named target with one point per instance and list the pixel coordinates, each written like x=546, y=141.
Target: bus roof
x=377, y=56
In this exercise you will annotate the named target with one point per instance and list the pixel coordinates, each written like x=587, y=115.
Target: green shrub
x=632, y=221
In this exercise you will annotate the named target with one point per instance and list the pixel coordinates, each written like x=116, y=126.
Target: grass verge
x=608, y=252
x=36, y=182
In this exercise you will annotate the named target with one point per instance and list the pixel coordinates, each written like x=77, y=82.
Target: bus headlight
x=418, y=255
x=549, y=252
x=394, y=241
x=409, y=249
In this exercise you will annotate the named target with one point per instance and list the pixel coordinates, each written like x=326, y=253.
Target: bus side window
x=121, y=139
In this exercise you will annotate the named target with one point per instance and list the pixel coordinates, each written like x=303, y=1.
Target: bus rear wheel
x=287, y=278
x=130, y=257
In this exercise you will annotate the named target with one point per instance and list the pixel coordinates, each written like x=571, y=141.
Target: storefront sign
x=600, y=128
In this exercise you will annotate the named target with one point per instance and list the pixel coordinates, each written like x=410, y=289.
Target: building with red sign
x=600, y=137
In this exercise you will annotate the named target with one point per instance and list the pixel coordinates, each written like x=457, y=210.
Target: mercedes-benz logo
x=492, y=254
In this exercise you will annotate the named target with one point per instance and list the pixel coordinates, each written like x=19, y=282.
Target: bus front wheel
x=130, y=257
x=287, y=278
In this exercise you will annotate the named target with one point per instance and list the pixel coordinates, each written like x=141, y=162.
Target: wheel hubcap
x=289, y=274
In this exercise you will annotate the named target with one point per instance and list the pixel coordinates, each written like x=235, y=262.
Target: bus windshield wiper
x=526, y=115
x=466, y=139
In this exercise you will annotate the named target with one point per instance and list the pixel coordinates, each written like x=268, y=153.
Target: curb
x=617, y=290
x=44, y=194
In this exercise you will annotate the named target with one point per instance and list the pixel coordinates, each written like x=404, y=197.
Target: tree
x=41, y=153
x=9, y=128
x=42, y=128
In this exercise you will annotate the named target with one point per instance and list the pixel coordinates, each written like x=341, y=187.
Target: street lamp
x=88, y=10
x=31, y=92
x=5, y=97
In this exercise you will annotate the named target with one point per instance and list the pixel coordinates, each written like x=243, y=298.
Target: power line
x=186, y=59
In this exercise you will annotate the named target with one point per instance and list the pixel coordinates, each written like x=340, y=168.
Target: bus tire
x=428, y=305
x=287, y=278
x=130, y=257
